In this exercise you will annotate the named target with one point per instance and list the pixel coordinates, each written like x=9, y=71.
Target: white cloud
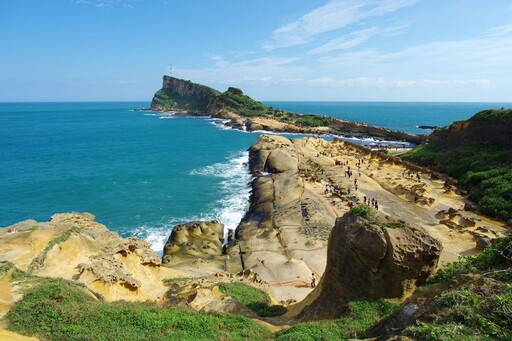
x=351, y=40
x=356, y=38
x=480, y=57
x=263, y=70
x=334, y=15
x=105, y=3
x=500, y=30
x=382, y=83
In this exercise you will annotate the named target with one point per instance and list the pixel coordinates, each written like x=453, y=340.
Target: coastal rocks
x=455, y=219
x=75, y=247
x=260, y=159
x=485, y=127
x=471, y=207
x=189, y=98
x=197, y=239
x=366, y=260
x=282, y=237
x=196, y=249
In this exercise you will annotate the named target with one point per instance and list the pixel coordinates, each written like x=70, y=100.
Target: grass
x=495, y=116
x=169, y=101
x=255, y=299
x=56, y=309
x=444, y=332
x=368, y=213
x=495, y=260
x=470, y=313
x=61, y=310
x=177, y=280
x=353, y=323
x=242, y=104
x=477, y=312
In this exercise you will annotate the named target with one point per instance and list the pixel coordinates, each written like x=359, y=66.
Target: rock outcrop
x=485, y=127
x=75, y=247
x=367, y=260
x=242, y=112
x=178, y=94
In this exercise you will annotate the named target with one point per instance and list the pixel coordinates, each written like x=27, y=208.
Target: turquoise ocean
x=141, y=173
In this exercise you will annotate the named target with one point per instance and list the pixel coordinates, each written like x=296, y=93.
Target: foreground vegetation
x=56, y=309
x=61, y=310
x=368, y=213
x=255, y=299
x=478, y=309
x=352, y=323
x=468, y=300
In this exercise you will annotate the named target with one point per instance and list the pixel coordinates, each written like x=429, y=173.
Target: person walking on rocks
x=313, y=280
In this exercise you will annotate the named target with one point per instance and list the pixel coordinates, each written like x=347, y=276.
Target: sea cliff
x=242, y=112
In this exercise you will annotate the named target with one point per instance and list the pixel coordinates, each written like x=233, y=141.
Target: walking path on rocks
x=302, y=186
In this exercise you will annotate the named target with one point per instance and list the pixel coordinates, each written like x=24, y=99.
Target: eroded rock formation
x=366, y=260
x=75, y=247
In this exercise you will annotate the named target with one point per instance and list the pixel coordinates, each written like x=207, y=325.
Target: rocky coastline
x=329, y=222
x=239, y=111
x=302, y=194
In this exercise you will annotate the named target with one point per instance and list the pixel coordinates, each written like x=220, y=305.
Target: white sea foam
x=220, y=123
x=229, y=209
x=235, y=189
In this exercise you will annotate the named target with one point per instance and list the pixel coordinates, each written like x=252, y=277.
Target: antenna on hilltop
x=170, y=70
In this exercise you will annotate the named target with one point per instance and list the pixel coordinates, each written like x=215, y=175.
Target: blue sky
x=335, y=50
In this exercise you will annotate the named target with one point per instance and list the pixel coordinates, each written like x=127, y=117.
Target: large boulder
x=370, y=259
x=273, y=154
x=197, y=239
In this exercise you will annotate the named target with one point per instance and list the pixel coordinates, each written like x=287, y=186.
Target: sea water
x=403, y=116
x=141, y=173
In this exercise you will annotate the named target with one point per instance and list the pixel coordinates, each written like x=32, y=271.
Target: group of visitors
x=371, y=202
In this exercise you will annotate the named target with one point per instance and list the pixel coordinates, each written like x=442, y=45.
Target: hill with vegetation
x=477, y=152
x=243, y=112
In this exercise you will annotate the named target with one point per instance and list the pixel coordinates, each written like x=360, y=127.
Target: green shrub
x=255, y=299
x=367, y=213
x=352, y=323
x=498, y=256
x=484, y=170
x=313, y=121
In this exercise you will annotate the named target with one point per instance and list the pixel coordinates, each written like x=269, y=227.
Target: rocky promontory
x=242, y=112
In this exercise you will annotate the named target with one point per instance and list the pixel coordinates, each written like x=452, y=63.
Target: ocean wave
x=220, y=123
x=229, y=209
x=235, y=189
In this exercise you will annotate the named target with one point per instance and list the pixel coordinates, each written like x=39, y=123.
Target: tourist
x=313, y=280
